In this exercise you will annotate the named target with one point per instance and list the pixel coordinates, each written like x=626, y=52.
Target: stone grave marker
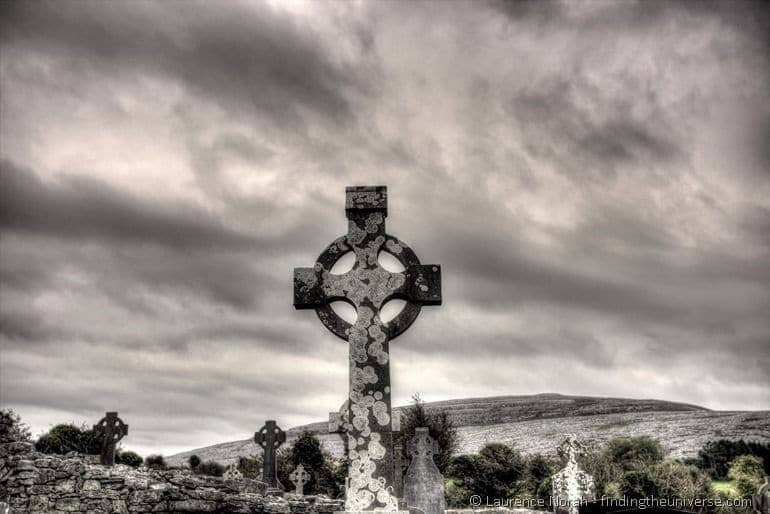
x=423, y=482
x=299, y=477
x=571, y=486
x=270, y=437
x=232, y=473
x=109, y=431
x=368, y=286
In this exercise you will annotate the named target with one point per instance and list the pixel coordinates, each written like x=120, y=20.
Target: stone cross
x=367, y=287
x=571, y=486
x=270, y=437
x=761, y=500
x=299, y=477
x=109, y=431
x=232, y=473
x=423, y=483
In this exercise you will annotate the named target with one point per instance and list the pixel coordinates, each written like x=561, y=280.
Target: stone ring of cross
x=368, y=285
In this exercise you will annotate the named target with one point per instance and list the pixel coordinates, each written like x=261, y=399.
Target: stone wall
x=33, y=482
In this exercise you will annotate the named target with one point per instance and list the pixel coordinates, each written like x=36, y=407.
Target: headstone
x=571, y=486
x=270, y=437
x=299, y=477
x=232, y=473
x=367, y=286
x=109, y=431
x=761, y=500
x=424, y=483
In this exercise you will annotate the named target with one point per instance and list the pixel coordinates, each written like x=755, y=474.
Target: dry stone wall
x=33, y=482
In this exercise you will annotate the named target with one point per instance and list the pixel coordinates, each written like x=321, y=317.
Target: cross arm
x=308, y=293
x=423, y=284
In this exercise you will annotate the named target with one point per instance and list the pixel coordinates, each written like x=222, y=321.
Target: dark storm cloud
x=590, y=176
x=245, y=56
x=82, y=207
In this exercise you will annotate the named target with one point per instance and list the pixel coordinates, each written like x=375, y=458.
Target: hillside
x=538, y=423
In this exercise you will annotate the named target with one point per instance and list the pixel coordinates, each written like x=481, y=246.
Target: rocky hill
x=538, y=423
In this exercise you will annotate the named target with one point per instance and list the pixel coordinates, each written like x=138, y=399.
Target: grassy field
x=724, y=487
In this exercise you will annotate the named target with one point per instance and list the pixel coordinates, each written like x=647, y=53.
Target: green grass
x=724, y=486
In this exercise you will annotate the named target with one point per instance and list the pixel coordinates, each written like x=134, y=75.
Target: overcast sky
x=594, y=179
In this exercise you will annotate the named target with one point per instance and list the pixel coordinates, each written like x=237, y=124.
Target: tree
x=64, y=438
x=539, y=470
x=439, y=426
x=194, y=461
x=638, y=484
x=323, y=470
x=251, y=467
x=12, y=429
x=747, y=473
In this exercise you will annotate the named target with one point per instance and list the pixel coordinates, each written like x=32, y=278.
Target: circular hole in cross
x=344, y=264
x=391, y=309
x=389, y=261
x=345, y=311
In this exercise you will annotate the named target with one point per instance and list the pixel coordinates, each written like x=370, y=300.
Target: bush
x=634, y=452
x=715, y=456
x=638, y=484
x=155, y=462
x=194, y=461
x=747, y=474
x=539, y=469
x=128, y=458
x=210, y=468
x=66, y=438
x=439, y=426
x=12, y=429
x=497, y=472
x=326, y=475
x=675, y=479
x=250, y=467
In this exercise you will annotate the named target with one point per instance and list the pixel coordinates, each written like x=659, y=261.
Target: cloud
x=591, y=177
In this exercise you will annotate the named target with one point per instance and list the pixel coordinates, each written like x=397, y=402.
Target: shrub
x=539, y=469
x=194, y=461
x=715, y=456
x=64, y=438
x=676, y=479
x=634, y=452
x=211, y=468
x=155, y=462
x=128, y=458
x=12, y=429
x=638, y=484
x=747, y=474
x=439, y=426
x=497, y=472
x=326, y=475
x=250, y=467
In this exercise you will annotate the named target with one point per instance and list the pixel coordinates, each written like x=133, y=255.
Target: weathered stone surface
x=110, y=430
x=92, y=488
x=571, y=485
x=368, y=286
x=299, y=478
x=270, y=437
x=423, y=482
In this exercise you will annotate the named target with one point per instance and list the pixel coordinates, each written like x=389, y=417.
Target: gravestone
x=367, y=286
x=299, y=477
x=571, y=486
x=270, y=437
x=232, y=473
x=424, y=483
x=109, y=431
x=761, y=500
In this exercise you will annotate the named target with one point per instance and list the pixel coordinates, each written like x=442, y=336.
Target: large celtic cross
x=109, y=431
x=270, y=437
x=367, y=287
